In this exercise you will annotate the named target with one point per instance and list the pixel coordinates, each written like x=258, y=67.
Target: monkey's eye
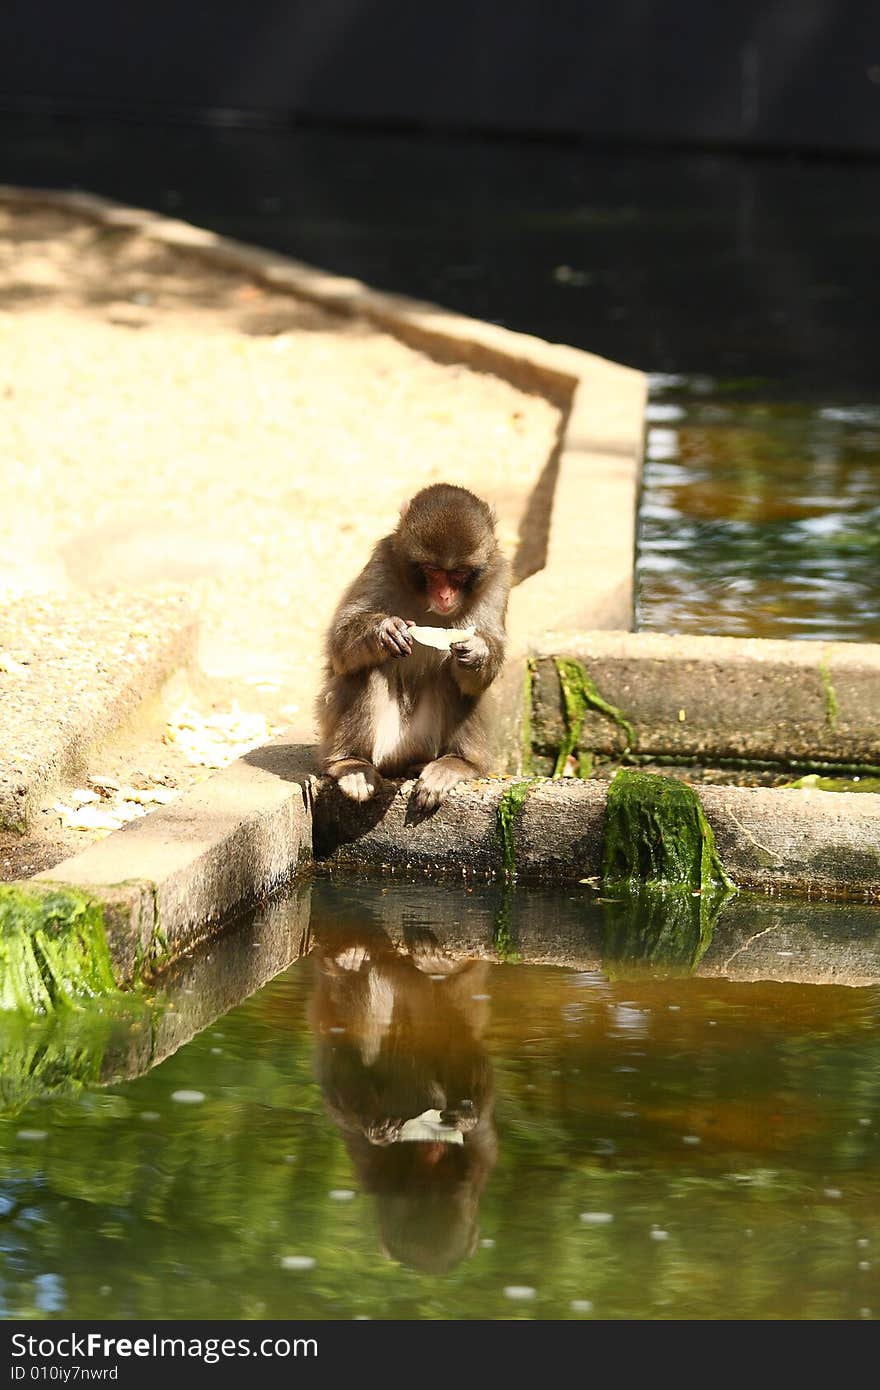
x=457, y=578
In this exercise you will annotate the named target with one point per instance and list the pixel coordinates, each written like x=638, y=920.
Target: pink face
x=444, y=587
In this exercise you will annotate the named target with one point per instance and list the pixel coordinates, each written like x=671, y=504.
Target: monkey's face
x=446, y=541
x=445, y=588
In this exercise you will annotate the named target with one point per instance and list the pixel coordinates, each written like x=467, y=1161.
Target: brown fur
x=388, y=705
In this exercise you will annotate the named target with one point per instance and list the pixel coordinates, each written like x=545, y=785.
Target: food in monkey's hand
x=440, y=637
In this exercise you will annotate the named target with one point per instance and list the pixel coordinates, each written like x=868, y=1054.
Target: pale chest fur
x=407, y=710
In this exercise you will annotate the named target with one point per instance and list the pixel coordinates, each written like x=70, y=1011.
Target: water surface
x=760, y=517
x=644, y=1133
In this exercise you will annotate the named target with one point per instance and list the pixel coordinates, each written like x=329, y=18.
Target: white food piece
x=441, y=637
x=428, y=1128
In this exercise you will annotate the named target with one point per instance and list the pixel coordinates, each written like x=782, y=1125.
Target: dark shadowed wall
x=788, y=74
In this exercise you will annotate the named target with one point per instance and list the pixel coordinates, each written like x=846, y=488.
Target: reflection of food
x=407, y=1080
x=429, y=1128
x=440, y=637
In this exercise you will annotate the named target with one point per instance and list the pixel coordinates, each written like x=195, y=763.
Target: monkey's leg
x=437, y=778
x=356, y=777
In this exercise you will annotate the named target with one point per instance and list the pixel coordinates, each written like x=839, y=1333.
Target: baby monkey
x=391, y=705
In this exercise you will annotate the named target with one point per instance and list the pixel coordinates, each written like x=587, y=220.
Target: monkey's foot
x=436, y=780
x=356, y=778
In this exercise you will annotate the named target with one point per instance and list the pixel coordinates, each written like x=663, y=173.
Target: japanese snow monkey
x=391, y=704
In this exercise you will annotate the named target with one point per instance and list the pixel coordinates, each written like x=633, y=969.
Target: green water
x=759, y=517
x=695, y=1141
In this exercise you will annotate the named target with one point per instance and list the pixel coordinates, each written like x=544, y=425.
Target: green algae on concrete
x=832, y=704
x=656, y=831
x=53, y=950
x=580, y=693
x=837, y=784
x=527, y=731
x=509, y=808
x=663, y=880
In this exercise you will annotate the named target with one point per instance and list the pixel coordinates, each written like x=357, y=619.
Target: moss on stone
x=579, y=693
x=832, y=704
x=53, y=950
x=527, y=732
x=656, y=831
x=661, y=868
x=837, y=784
x=509, y=808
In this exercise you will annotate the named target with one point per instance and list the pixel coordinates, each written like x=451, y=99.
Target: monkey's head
x=445, y=542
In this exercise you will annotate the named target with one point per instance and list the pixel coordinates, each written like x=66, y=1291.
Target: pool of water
x=759, y=517
x=638, y=1124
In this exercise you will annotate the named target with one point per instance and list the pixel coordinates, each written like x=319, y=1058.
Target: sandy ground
x=164, y=424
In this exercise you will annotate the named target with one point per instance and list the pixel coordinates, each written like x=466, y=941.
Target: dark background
x=689, y=187
x=792, y=74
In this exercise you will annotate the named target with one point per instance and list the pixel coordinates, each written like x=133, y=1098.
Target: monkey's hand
x=394, y=637
x=471, y=654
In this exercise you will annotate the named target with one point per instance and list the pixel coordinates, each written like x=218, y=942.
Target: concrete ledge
x=72, y=670
x=171, y=878
x=816, y=844
x=717, y=697
x=593, y=474
x=174, y=878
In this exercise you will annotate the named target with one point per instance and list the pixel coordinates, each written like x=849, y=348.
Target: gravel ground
x=167, y=426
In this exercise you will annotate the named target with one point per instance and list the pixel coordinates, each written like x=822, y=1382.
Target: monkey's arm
x=476, y=662
x=365, y=632
x=361, y=639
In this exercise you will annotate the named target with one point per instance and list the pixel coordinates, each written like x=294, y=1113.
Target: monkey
x=389, y=705
x=398, y=1032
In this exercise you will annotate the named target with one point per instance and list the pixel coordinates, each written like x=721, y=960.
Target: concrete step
x=73, y=669
x=176, y=877
x=698, y=698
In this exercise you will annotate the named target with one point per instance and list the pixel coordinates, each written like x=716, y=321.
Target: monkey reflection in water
x=405, y=1077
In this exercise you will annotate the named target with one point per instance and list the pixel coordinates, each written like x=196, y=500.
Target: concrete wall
x=801, y=74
